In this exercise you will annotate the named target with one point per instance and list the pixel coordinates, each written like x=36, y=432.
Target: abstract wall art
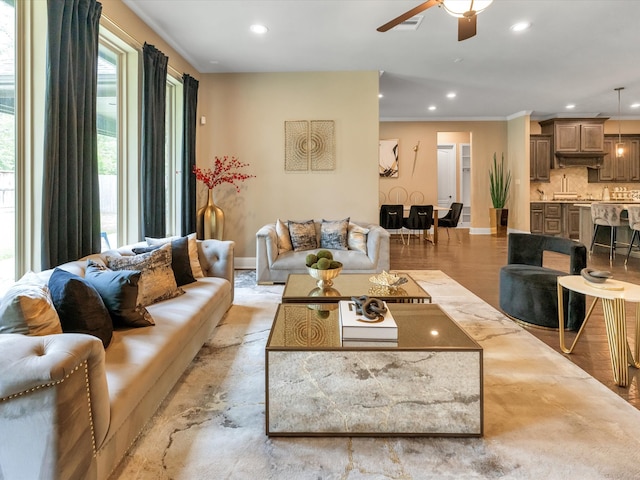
x=309, y=145
x=388, y=158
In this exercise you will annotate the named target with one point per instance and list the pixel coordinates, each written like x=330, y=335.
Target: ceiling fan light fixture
x=459, y=8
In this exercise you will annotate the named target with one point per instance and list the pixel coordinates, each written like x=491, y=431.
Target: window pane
x=107, y=110
x=7, y=142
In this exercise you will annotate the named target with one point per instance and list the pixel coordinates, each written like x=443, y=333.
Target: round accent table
x=613, y=294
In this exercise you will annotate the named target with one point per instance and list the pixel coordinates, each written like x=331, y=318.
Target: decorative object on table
x=595, y=276
x=389, y=280
x=499, y=184
x=309, y=145
x=323, y=267
x=373, y=309
x=388, y=158
x=210, y=218
x=355, y=326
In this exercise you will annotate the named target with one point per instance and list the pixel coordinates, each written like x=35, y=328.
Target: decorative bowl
x=324, y=277
x=595, y=276
x=389, y=280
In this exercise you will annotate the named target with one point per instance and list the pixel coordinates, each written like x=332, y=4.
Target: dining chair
x=634, y=225
x=607, y=215
x=391, y=217
x=451, y=219
x=420, y=218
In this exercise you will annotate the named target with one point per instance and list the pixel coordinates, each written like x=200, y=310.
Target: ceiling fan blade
x=466, y=27
x=407, y=15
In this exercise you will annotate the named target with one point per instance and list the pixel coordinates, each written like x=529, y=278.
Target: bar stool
x=607, y=215
x=634, y=225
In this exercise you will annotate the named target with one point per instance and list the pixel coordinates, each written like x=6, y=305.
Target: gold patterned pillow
x=284, y=239
x=357, y=238
x=303, y=235
x=194, y=261
x=157, y=281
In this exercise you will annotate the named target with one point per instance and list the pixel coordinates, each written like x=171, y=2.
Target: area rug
x=544, y=417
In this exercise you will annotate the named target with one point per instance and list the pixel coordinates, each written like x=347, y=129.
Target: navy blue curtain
x=154, y=106
x=70, y=197
x=189, y=125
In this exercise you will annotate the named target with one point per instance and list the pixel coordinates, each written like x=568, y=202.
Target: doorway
x=447, y=176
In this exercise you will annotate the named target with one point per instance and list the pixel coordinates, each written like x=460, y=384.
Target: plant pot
x=499, y=218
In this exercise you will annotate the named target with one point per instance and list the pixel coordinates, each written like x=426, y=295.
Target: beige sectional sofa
x=274, y=266
x=69, y=409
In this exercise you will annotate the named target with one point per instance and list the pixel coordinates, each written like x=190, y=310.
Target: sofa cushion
x=357, y=238
x=180, y=262
x=196, y=268
x=333, y=234
x=283, y=237
x=303, y=235
x=119, y=292
x=27, y=308
x=79, y=306
x=157, y=281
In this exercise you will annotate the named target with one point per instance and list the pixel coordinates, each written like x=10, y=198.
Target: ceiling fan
x=465, y=10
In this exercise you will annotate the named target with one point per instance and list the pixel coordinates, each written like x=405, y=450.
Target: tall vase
x=499, y=220
x=210, y=220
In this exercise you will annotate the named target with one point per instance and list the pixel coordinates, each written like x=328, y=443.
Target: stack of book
x=359, y=331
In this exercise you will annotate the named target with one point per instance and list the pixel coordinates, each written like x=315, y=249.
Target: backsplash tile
x=577, y=178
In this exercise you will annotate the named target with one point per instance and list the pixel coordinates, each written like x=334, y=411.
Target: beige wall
x=518, y=155
x=485, y=138
x=245, y=117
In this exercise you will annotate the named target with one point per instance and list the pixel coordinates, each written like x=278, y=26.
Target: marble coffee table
x=430, y=384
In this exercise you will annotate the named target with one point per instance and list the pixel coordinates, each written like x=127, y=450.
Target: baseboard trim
x=245, y=263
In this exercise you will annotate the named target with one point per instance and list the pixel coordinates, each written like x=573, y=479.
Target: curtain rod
x=133, y=42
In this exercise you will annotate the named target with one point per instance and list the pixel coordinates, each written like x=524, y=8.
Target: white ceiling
x=576, y=51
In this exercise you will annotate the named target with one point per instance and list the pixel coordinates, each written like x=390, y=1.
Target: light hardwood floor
x=474, y=261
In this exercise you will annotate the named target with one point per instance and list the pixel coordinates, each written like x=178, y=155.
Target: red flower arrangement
x=225, y=170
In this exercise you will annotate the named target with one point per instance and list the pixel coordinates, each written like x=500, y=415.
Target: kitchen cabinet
x=555, y=218
x=575, y=141
x=623, y=169
x=540, y=158
x=537, y=218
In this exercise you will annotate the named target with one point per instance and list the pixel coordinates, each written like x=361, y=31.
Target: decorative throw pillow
x=27, y=308
x=80, y=306
x=157, y=282
x=333, y=234
x=357, y=238
x=119, y=292
x=196, y=269
x=284, y=239
x=303, y=235
x=180, y=262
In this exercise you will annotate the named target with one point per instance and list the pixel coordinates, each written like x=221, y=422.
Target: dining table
x=434, y=222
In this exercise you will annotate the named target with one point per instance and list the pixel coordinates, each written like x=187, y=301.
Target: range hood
x=580, y=159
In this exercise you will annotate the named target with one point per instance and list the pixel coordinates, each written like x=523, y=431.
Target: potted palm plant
x=499, y=183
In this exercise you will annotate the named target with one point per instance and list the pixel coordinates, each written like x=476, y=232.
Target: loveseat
x=274, y=263
x=70, y=409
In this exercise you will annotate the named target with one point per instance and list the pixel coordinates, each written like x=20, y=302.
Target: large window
x=108, y=151
x=7, y=141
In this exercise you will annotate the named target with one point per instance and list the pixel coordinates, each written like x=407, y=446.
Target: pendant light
x=619, y=145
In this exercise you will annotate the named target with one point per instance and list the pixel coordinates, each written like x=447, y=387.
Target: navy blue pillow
x=79, y=306
x=119, y=292
x=180, y=263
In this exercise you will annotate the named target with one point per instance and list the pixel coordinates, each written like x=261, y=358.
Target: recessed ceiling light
x=635, y=105
x=258, y=29
x=380, y=95
x=520, y=26
x=432, y=107
x=457, y=59
x=570, y=106
x=451, y=95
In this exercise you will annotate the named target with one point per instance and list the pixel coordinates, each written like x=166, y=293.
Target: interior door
x=446, y=176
